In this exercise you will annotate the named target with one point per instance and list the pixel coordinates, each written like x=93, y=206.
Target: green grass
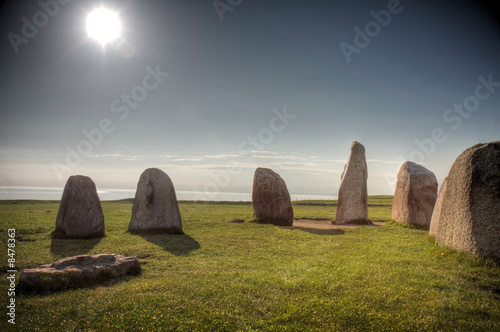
x=226, y=276
x=379, y=209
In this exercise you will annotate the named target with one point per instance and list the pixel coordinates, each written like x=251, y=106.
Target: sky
x=208, y=90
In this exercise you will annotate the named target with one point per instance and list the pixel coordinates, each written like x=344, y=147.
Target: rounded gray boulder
x=415, y=195
x=155, y=206
x=271, y=199
x=80, y=214
x=469, y=214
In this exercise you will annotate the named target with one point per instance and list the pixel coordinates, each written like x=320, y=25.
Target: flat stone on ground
x=77, y=271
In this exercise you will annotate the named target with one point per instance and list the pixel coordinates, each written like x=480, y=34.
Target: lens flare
x=103, y=25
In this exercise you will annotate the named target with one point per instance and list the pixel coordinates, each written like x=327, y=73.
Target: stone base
x=276, y=222
x=172, y=231
x=57, y=234
x=355, y=222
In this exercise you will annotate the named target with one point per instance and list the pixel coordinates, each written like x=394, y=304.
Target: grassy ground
x=226, y=276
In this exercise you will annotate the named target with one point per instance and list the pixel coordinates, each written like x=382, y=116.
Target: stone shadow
x=177, y=244
x=316, y=231
x=94, y=285
x=72, y=247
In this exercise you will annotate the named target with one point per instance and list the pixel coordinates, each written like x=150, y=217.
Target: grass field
x=227, y=276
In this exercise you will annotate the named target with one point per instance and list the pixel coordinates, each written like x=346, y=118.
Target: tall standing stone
x=352, y=206
x=436, y=213
x=415, y=196
x=469, y=218
x=155, y=205
x=80, y=214
x=270, y=198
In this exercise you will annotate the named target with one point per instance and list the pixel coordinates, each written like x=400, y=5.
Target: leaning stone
x=352, y=206
x=415, y=196
x=270, y=198
x=80, y=213
x=77, y=271
x=469, y=218
x=155, y=206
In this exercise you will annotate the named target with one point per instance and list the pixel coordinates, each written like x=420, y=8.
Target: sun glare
x=103, y=25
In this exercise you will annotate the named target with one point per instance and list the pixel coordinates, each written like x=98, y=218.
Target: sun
x=103, y=25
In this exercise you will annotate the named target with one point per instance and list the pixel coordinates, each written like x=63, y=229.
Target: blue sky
x=208, y=100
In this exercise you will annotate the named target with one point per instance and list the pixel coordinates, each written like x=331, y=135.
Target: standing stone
x=436, y=213
x=415, y=196
x=80, y=214
x=352, y=206
x=271, y=200
x=155, y=205
x=469, y=218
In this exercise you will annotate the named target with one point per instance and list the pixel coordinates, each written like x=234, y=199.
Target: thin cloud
x=263, y=152
x=281, y=157
x=379, y=161
x=343, y=161
x=191, y=166
x=106, y=155
x=168, y=156
x=222, y=156
x=189, y=159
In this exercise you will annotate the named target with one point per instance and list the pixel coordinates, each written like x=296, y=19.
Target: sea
x=45, y=193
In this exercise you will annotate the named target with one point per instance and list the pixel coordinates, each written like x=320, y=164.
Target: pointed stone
x=436, y=212
x=155, y=205
x=469, y=217
x=80, y=214
x=415, y=195
x=270, y=198
x=352, y=206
